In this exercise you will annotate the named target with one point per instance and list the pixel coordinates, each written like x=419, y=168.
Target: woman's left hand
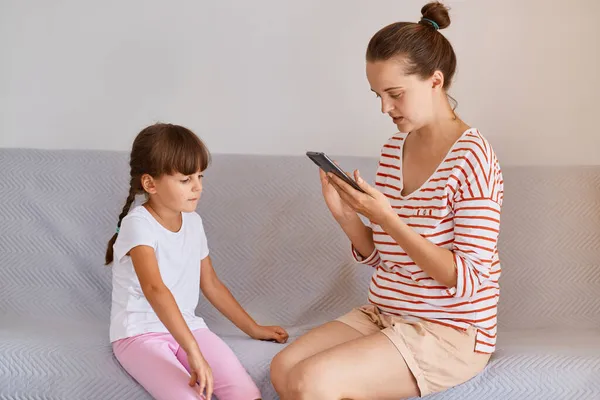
x=275, y=333
x=373, y=205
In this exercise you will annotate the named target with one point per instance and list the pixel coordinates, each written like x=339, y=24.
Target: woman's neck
x=445, y=123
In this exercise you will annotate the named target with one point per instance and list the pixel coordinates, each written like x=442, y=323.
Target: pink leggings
x=157, y=362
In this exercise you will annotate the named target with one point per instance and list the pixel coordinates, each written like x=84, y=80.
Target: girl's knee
x=236, y=384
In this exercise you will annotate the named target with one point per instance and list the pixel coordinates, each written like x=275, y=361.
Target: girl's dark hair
x=157, y=150
x=422, y=47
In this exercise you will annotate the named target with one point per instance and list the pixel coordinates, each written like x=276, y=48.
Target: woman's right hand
x=339, y=209
x=200, y=373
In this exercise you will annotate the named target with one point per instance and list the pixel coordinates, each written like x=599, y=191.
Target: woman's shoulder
x=476, y=168
x=473, y=144
x=391, y=151
x=473, y=154
x=395, y=141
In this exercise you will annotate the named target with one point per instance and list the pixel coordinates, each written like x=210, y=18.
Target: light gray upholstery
x=274, y=244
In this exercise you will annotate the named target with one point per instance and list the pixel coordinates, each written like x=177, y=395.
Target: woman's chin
x=403, y=126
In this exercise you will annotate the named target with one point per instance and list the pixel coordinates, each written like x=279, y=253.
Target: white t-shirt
x=178, y=254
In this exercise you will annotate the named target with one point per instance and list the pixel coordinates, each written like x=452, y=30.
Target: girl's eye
x=395, y=96
x=186, y=180
x=200, y=176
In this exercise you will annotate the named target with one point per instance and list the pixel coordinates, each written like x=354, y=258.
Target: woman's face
x=407, y=99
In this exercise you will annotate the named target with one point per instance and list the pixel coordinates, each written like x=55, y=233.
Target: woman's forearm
x=435, y=261
x=360, y=235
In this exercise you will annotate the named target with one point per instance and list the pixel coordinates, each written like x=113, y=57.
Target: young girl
x=432, y=242
x=160, y=262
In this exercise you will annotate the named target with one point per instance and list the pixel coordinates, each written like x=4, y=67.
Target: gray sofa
x=274, y=244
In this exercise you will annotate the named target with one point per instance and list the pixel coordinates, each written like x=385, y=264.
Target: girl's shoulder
x=138, y=211
x=193, y=222
x=136, y=229
x=138, y=215
x=192, y=216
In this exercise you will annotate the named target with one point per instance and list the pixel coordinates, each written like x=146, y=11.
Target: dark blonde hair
x=157, y=150
x=422, y=47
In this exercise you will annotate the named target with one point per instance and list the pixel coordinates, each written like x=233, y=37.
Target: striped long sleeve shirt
x=457, y=208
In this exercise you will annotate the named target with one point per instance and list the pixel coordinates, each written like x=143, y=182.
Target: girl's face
x=177, y=192
x=408, y=99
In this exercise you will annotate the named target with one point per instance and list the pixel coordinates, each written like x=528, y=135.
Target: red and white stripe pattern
x=458, y=208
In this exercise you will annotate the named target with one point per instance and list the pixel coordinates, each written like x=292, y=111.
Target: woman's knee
x=307, y=380
x=298, y=379
x=281, y=365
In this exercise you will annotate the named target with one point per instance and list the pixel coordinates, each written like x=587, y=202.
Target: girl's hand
x=373, y=205
x=200, y=373
x=275, y=333
x=338, y=208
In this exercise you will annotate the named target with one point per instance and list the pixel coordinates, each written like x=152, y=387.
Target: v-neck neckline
x=401, y=162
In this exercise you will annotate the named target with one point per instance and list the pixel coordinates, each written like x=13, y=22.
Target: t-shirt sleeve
x=203, y=241
x=135, y=231
x=477, y=209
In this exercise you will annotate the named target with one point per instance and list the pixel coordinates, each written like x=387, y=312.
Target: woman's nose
x=386, y=106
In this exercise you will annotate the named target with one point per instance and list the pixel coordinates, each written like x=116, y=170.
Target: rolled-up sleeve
x=477, y=225
x=372, y=260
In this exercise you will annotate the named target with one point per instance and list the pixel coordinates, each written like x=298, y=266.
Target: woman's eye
x=395, y=96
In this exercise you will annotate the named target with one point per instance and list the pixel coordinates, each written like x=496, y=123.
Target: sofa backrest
x=273, y=241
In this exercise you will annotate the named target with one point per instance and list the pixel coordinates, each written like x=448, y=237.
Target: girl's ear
x=148, y=184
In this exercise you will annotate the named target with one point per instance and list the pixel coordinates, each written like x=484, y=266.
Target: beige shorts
x=440, y=357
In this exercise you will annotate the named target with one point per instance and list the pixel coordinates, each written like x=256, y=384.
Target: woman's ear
x=148, y=184
x=437, y=80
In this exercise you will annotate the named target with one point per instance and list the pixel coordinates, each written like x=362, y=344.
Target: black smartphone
x=327, y=165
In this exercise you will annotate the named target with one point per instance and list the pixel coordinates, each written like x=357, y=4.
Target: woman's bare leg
x=367, y=368
x=319, y=339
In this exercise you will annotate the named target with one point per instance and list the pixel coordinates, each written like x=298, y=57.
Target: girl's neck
x=169, y=219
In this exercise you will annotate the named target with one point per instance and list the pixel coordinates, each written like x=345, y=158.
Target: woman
x=435, y=217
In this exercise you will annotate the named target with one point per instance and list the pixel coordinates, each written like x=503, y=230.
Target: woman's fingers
x=335, y=185
x=346, y=197
x=346, y=192
x=322, y=175
x=338, y=182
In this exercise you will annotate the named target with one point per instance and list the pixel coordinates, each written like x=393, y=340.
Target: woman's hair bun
x=436, y=12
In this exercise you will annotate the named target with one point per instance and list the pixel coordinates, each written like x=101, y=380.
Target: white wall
x=272, y=76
